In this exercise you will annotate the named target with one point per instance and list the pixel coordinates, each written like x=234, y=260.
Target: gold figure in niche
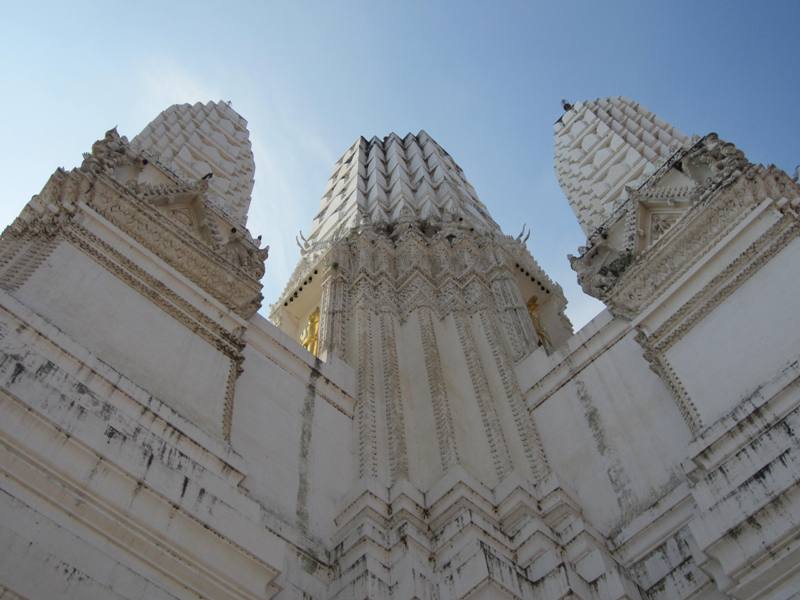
x=310, y=336
x=533, y=311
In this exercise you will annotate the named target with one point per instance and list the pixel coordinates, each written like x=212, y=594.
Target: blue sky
x=484, y=79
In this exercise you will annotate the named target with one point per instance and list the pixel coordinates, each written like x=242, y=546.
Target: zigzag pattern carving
x=392, y=180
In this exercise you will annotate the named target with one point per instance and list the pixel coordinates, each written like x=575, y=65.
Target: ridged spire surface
x=603, y=145
x=197, y=139
x=392, y=179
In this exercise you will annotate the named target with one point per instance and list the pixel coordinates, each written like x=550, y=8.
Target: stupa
x=418, y=419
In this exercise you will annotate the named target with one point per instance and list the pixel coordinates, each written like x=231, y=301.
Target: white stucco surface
x=131, y=334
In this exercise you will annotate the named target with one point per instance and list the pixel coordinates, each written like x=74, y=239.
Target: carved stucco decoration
x=53, y=208
x=600, y=267
x=216, y=254
x=630, y=258
x=378, y=280
x=413, y=248
x=701, y=228
x=194, y=241
x=762, y=184
x=445, y=269
x=108, y=153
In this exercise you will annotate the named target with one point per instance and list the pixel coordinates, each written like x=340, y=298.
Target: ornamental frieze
x=220, y=277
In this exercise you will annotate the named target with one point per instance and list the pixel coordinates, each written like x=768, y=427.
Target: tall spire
x=391, y=179
x=198, y=139
x=604, y=145
x=405, y=273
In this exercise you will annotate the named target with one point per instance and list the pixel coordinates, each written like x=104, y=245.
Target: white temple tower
x=418, y=289
x=198, y=139
x=604, y=145
x=419, y=422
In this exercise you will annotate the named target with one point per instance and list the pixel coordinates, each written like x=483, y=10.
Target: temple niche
x=309, y=339
x=417, y=419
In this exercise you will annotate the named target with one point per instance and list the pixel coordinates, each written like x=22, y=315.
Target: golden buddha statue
x=310, y=336
x=533, y=311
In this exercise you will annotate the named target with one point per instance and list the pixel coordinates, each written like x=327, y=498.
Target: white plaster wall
x=130, y=333
x=267, y=429
x=755, y=329
x=331, y=468
x=68, y=427
x=614, y=435
x=43, y=559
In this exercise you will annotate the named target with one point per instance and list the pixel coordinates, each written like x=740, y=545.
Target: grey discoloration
x=620, y=482
x=307, y=422
x=592, y=417
x=18, y=370
x=45, y=369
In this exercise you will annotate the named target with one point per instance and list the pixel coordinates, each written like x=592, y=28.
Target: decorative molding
x=151, y=288
x=234, y=370
x=514, y=316
x=225, y=280
x=377, y=279
x=725, y=283
x=523, y=420
x=395, y=418
x=107, y=181
x=662, y=367
x=365, y=409
x=700, y=230
x=498, y=447
x=600, y=267
x=442, y=411
x=641, y=249
x=719, y=204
